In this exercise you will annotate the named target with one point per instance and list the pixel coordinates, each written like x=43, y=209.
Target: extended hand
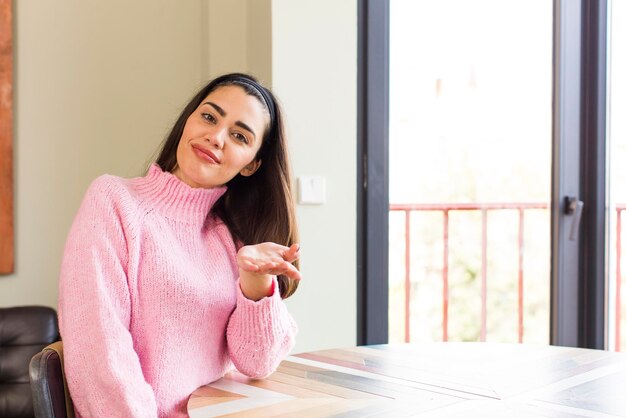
x=269, y=258
x=258, y=263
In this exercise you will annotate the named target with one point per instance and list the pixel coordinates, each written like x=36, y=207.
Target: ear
x=251, y=168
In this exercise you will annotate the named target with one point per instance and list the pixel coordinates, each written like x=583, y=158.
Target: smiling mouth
x=206, y=155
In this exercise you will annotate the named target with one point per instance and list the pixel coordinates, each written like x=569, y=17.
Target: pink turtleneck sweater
x=149, y=302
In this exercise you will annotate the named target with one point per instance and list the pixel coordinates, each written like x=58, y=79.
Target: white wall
x=97, y=85
x=314, y=74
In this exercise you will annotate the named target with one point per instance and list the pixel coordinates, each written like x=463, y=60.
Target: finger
x=249, y=266
x=270, y=265
x=288, y=270
x=267, y=269
x=292, y=253
x=276, y=267
x=293, y=273
x=295, y=257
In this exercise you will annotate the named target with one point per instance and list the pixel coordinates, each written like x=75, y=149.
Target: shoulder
x=107, y=185
x=109, y=193
x=109, y=208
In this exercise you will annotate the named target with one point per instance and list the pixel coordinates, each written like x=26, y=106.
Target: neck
x=176, y=199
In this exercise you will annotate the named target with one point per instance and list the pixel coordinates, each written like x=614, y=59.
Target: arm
x=261, y=332
x=103, y=370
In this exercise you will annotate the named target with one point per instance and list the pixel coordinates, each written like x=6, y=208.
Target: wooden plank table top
x=427, y=380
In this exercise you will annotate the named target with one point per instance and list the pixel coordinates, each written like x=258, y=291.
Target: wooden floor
x=427, y=380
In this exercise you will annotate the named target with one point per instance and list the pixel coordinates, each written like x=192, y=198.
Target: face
x=221, y=138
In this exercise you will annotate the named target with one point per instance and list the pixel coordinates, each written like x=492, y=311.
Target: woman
x=168, y=280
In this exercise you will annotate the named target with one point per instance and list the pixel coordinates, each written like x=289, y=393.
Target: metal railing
x=484, y=208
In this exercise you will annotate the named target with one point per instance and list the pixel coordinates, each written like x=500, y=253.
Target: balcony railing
x=485, y=208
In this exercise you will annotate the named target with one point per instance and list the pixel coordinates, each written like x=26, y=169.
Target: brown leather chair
x=50, y=395
x=24, y=331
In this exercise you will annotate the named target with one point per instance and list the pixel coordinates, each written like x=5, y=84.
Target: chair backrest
x=50, y=395
x=24, y=331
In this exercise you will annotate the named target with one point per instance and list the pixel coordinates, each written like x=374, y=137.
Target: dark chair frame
x=50, y=394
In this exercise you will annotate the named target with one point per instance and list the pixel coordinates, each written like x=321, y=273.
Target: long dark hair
x=258, y=208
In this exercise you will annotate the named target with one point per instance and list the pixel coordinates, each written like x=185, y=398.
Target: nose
x=216, y=138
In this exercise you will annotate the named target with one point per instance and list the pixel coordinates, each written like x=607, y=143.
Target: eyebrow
x=222, y=113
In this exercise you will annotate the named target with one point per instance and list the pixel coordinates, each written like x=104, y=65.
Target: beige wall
x=237, y=38
x=99, y=83
x=96, y=86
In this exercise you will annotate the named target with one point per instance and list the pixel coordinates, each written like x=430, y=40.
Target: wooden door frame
x=6, y=138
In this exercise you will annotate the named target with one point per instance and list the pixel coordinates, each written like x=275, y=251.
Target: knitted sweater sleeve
x=260, y=334
x=103, y=371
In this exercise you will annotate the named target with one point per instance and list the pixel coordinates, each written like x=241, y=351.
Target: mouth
x=205, y=154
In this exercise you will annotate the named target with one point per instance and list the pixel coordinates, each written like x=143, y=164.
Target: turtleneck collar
x=174, y=198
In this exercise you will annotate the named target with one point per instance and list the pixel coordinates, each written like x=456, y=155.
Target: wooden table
x=427, y=380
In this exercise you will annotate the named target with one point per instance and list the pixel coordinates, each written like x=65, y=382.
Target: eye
x=240, y=137
x=209, y=117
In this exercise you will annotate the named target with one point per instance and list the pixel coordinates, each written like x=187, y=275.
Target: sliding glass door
x=482, y=161
x=470, y=154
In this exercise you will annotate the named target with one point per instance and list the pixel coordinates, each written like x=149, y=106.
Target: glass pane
x=470, y=154
x=617, y=178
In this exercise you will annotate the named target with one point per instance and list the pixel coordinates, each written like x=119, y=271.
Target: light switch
x=311, y=190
